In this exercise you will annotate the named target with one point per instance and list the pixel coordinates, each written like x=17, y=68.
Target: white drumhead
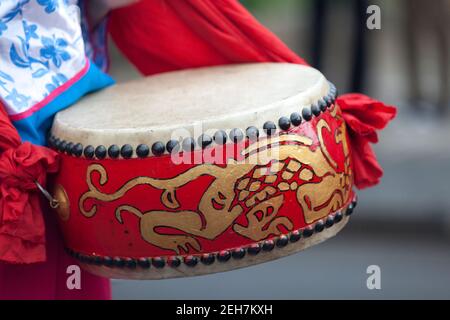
x=196, y=100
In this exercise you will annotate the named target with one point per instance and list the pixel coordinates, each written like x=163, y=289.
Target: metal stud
x=315, y=110
x=284, y=123
x=236, y=135
x=158, y=262
x=329, y=100
x=296, y=119
x=62, y=146
x=207, y=259
x=338, y=217
x=118, y=262
x=100, y=152
x=320, y=225
x=126, y=151
x=89, y=152
x=252, y=133
x=220, y=137
x=188, y=144
x=238, y=253
x=130, y=263
x=108, y=261
x=172, y=146
x=268, y=245
x=57, y=143
x=69, y=147
x=174, y=262
x=224, y=256
x=204, y=140
x=308, y=232
x=114, y=151
x=254, y=249
x=295, y=236
x=307, y=114
x=349, y=210
x=51, y=141
x=158, y=148
x=77, y=150
x=270, y=128
x=142, y=150
x=329, y=222
x=144, y=263
x=190, y=261
x=323, y=105
x=282, y=241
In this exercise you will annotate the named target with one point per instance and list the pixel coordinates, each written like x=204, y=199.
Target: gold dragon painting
x=254, y=187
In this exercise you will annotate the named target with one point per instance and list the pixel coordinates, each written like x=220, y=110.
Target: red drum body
x=208, y=203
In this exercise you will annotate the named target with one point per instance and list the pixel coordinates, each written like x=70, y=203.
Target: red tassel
x=364, y=116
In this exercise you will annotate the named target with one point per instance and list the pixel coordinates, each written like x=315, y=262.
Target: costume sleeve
x=44, y=66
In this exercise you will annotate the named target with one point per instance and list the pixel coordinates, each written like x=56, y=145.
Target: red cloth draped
x=158, y=36
x=364, y=116
x=22, y=230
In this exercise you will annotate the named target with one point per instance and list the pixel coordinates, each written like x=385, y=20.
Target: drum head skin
x=201, y=171
x=152, y=109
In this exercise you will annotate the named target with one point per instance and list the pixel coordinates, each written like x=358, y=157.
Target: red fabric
x=159, y=36
x=364, y=116
x=22, y=230
x=47, y=280
x=9, y=137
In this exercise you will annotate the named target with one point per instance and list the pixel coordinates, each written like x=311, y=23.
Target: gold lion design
x=255, y=185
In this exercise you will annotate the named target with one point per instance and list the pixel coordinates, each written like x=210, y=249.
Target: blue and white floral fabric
x=47, y=60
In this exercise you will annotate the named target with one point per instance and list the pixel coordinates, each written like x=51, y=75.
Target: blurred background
x=402, y=225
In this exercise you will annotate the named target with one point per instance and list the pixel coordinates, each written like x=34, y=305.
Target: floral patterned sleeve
x=48, y=60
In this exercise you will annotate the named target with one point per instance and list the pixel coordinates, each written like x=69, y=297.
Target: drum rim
x=158, y=148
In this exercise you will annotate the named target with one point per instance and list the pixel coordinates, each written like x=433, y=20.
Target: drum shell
x=155, y=207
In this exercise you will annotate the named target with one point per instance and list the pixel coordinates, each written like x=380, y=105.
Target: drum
x=200, y=171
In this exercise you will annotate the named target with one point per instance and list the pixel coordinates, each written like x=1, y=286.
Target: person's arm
x=98, y=9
